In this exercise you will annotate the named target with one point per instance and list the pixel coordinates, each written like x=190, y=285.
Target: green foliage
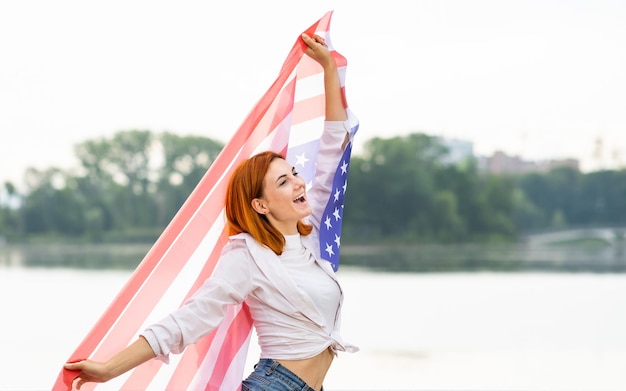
x=9, y=215
x=404, y=187
x=402, y=190
x=392, y=188
x=565, y=197
x=123, y=184
x=186, y=160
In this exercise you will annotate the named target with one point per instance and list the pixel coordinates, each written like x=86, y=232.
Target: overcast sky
x=540, y=79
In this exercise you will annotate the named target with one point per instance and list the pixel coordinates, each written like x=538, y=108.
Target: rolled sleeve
x=204, y=311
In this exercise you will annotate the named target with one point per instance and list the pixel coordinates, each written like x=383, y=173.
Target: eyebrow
x=293, y=169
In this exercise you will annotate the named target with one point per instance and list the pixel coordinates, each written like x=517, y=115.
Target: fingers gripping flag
x=287, y=119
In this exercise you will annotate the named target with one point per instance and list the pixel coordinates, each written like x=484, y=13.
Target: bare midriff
x=311, y=370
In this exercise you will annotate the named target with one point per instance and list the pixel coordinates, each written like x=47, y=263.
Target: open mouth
x=300, y=199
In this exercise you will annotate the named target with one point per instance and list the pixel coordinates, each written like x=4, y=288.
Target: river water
x=435, y=331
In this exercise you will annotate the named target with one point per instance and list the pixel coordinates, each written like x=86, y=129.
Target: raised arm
x=336, y=129
x=317, y=50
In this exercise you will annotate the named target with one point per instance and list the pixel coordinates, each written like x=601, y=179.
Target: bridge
x=612, y=235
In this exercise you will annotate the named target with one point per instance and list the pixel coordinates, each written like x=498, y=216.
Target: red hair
x=245, y=185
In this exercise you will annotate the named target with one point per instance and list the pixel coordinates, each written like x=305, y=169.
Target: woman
x=271, y=263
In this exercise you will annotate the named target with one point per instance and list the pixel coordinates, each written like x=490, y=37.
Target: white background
x=541, y=78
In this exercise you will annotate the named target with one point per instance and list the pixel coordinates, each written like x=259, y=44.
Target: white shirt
x=308, y=276
x=288, y=323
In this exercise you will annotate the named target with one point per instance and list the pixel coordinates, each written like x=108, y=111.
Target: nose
x=300, y=181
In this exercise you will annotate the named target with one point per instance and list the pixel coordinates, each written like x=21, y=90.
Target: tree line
x=401, y=189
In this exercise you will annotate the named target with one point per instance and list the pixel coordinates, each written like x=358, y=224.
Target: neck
x=286, y=228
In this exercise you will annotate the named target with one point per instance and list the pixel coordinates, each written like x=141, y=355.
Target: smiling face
x=283, y=201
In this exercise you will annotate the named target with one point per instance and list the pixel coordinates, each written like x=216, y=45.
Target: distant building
x=458, y=150
x=501, y=163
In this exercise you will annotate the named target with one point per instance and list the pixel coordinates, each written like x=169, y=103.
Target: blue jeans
x=269, y=375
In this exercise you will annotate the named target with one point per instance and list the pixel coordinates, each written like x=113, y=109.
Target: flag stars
x=330, y=226
x=344, y=168
x=327, y=223
x=329, y=250
x=301, y=159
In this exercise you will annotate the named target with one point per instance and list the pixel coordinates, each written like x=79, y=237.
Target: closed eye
x=283, y=178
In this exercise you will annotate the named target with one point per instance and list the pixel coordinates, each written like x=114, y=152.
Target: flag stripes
x=187, y=251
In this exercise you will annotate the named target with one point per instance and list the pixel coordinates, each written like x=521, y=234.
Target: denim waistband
x=269, y=375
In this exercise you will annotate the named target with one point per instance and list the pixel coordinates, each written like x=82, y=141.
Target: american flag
x=287, y=119
x=303, y=158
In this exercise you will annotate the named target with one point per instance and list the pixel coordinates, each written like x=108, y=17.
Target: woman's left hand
x=317, y=50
